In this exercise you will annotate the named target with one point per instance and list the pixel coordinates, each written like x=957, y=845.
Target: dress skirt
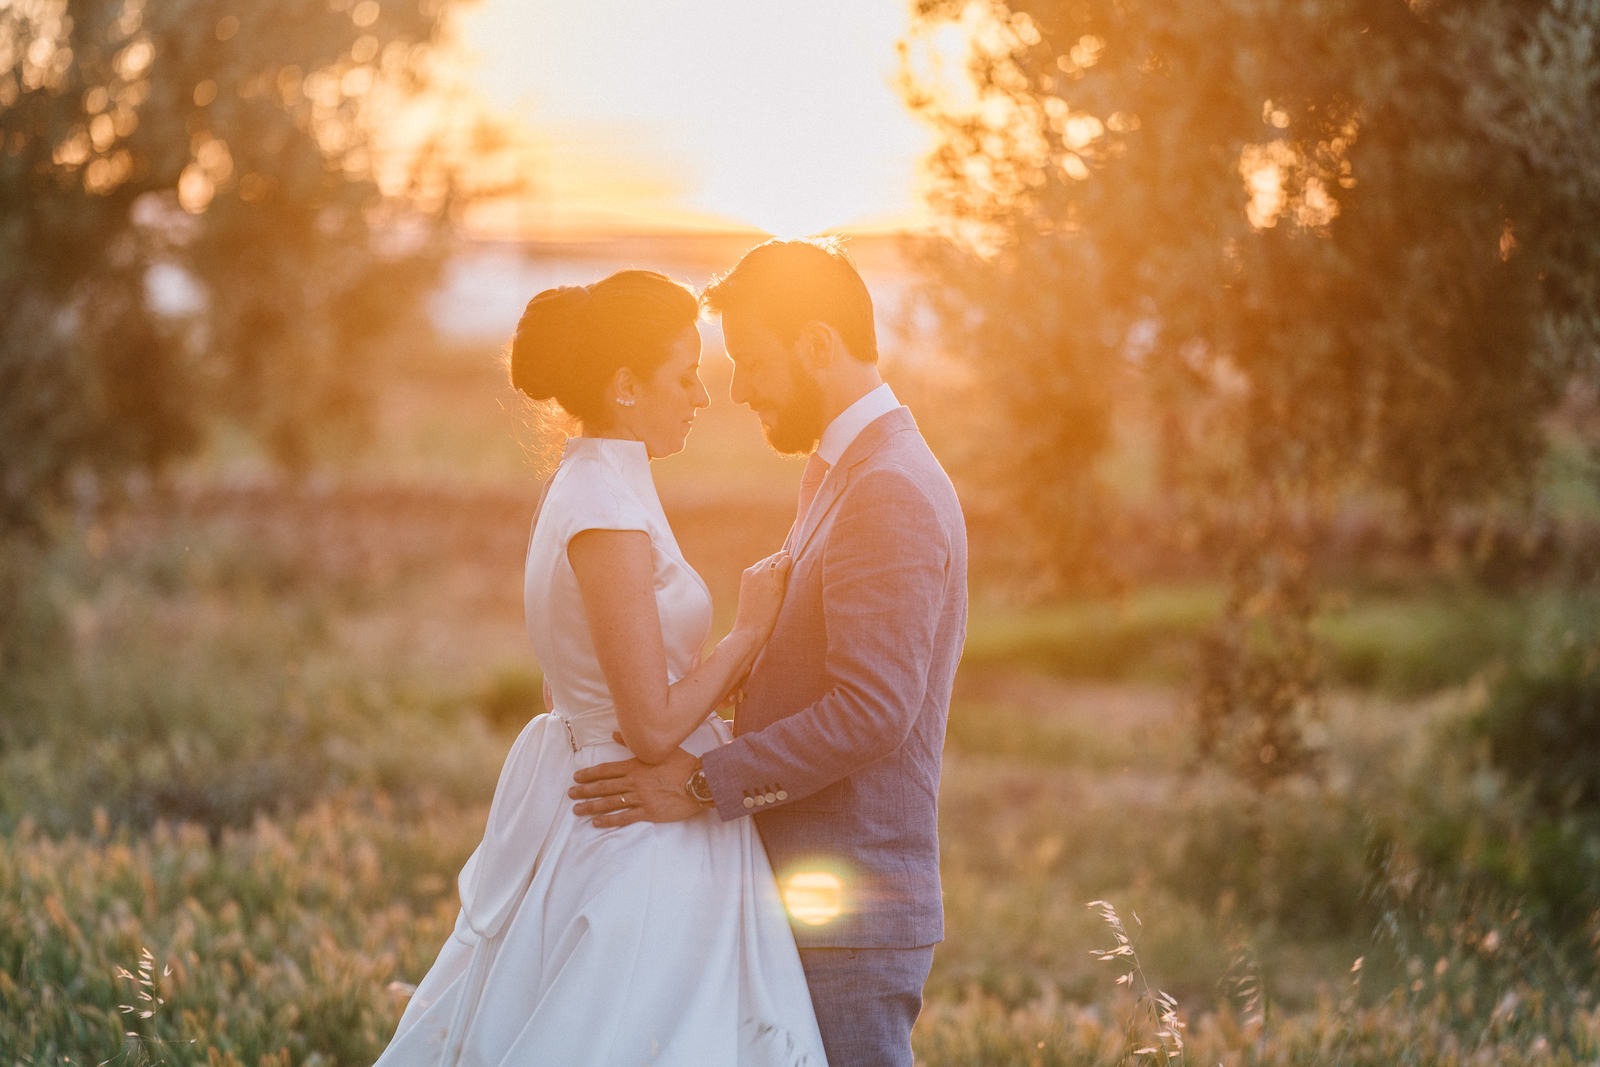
x=661, y=944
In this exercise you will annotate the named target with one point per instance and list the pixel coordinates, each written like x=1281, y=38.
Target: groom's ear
x=817, y=345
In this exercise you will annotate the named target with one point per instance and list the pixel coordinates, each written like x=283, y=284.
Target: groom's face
x=771, y=379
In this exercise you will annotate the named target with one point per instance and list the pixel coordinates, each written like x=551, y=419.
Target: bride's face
x=770, y=379
x=664, y=406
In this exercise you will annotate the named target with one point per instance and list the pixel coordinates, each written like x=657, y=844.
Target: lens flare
x=814, y=897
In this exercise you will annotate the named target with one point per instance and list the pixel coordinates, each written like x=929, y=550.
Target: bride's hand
x=760, y=595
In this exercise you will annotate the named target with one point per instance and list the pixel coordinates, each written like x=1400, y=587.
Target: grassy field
x=249, y=731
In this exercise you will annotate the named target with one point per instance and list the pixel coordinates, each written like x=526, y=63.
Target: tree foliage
x=205, y=212
x=1331, y=246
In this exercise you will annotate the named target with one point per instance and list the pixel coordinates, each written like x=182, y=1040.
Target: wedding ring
x=624, y=799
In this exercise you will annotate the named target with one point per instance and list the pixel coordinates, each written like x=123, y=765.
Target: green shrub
x=1543, y=729
x=1293, y=859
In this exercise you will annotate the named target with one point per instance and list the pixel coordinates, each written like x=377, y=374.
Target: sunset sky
x=778, y=116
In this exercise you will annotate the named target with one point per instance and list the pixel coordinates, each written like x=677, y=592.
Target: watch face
x=699, y=788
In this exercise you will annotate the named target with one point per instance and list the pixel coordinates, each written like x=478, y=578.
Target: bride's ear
x=624, y=388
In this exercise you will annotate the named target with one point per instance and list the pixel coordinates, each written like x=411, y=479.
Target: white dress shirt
x=849, y=423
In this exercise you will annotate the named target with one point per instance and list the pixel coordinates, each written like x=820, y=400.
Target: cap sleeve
x=594, y=497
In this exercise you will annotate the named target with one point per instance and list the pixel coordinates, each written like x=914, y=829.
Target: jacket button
x=771, y=798
x=749, y=802
x=783, y=794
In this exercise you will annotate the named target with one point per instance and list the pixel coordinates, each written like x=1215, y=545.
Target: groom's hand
x=629, y=791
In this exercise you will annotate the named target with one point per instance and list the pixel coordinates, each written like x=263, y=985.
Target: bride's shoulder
x=587, y=494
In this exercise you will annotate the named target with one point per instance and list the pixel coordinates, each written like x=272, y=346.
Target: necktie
x=816, y=470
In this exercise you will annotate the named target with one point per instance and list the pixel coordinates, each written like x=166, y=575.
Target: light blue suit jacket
x=839, y=736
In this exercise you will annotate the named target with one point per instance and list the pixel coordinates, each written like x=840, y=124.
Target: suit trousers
x=866, y=1001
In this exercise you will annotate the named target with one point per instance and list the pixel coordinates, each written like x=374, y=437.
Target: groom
x=839, y=733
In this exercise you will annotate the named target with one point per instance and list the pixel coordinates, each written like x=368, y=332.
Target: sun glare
x=782, y=118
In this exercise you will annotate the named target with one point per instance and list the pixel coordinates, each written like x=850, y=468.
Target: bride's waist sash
x=585, y=728
x=597, y=726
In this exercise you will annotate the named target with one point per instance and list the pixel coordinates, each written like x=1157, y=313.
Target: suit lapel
x=866, y=443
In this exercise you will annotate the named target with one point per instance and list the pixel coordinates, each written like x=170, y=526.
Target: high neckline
x=623, y=449
x=628, y=458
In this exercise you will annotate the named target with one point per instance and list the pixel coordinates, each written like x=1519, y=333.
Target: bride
x=659, y=943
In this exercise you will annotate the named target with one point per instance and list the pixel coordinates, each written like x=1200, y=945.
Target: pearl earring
x=625, y=401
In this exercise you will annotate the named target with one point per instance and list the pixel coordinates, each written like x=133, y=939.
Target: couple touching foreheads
x=624, y=907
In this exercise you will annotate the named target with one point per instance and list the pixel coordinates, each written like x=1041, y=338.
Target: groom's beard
x=797, y=426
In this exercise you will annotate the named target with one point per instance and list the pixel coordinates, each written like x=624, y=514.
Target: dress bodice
x=603, y=484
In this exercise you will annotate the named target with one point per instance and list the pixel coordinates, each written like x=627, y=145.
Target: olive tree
x=1327, y=248
x=207, y=210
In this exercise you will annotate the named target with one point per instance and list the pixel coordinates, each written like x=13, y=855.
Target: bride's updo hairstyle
x=571, y=340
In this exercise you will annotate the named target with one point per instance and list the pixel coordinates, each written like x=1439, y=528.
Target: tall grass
x=274, y=941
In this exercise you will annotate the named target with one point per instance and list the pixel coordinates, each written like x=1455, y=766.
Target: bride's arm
x=615, y=577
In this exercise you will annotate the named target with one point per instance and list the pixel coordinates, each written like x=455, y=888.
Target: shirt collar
x=849, y=423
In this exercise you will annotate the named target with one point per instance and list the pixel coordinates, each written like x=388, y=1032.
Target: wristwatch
x=698, y=788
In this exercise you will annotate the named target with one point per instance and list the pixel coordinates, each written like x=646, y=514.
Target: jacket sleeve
x=884, y=570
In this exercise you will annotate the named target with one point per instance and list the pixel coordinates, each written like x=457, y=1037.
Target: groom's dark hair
x=786, y=284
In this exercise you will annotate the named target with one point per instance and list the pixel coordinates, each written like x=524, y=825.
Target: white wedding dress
x=660, y=944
